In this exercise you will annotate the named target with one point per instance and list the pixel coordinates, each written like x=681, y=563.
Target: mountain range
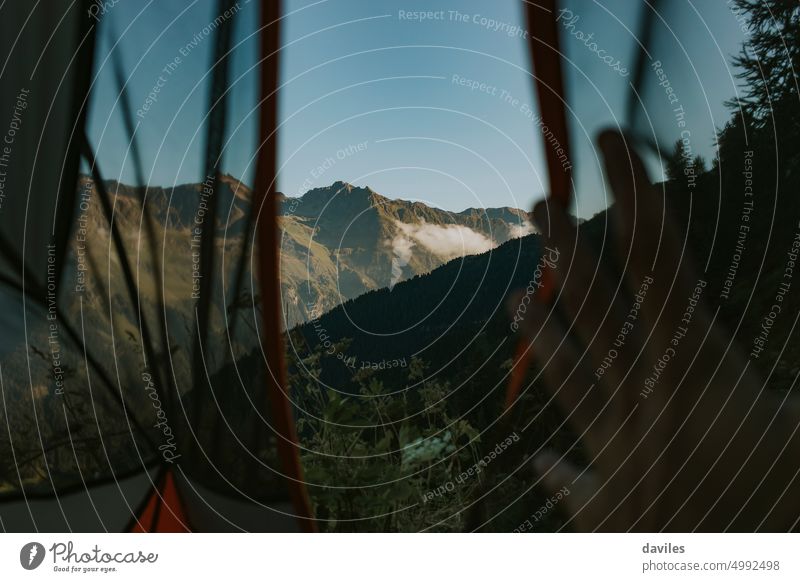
x=337, y=242
x=342, y=241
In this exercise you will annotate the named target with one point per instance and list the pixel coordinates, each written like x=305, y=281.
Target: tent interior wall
x=131, y=484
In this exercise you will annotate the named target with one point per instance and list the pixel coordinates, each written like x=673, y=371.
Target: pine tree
x=769, y=63
x=699, y=165
x=676, y=163
x=770, y=58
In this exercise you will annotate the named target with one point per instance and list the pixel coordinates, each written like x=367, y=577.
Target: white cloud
x=401, y=247
x=519, y=230
x=448, y=241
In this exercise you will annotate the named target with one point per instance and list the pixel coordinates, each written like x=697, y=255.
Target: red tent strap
x=269, y=262
x=549, y=82
x=162, y=511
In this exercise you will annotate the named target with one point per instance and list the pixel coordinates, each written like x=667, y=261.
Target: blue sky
x=374, y=97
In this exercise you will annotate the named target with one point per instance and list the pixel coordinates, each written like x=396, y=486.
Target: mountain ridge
x=337, y=242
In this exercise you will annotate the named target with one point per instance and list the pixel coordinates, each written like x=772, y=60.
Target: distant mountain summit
x=338, y=242
x=342, y=241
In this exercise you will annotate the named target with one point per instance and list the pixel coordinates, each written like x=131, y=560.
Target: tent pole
x=549, y=82
x=267, y=228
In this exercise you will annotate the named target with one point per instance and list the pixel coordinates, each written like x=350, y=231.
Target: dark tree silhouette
x=770, y=58
x=769, y=62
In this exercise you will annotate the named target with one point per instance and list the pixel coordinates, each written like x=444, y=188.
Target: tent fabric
x=543, y=42
x=44, y=101
x=176, y=504
x=96, y=508
x=93, y=366
x=269, y=269
x=43, y=348
x=163, y=511
x=207, y=511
